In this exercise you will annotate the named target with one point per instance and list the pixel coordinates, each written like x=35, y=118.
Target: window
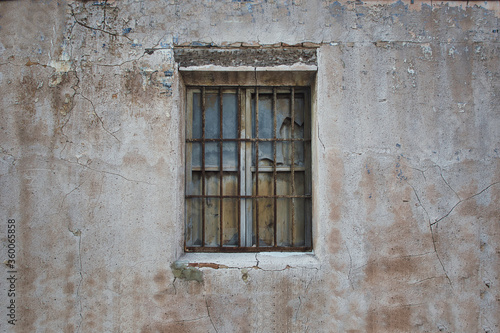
x=248, y=169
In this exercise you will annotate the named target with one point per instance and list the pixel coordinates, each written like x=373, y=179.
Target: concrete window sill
x=267, y=261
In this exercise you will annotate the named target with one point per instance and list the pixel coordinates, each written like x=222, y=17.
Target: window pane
x=212, y=155
x=230, y=183
x=212, y=116
x=230, y=222
x=229, y=116
x=262, y=219
x=298, y=131
x=284, y=153
x=197, y=118
x=265, y=209
x=266, y=183
x=284, y=222
x=193, y=222
x=266, y=154
x=212, y=183
x=230, y=155
x=283, y=183
x=195, y=154
x=194, y=184
x=298, y=228
x=212, y=220
x=283, y=116
x=266, y=120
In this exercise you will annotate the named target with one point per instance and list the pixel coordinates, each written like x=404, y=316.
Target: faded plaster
x=406, y=171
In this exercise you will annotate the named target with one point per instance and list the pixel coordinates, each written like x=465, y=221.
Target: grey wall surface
x=406, y=169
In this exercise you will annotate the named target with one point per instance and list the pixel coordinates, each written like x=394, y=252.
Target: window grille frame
x=248, y=221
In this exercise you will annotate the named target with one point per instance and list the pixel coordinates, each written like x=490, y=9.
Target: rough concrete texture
x=406, y=169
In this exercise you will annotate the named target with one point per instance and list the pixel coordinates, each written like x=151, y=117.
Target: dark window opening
x=248, y=169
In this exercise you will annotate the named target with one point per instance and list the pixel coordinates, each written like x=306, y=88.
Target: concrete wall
x=405, y=156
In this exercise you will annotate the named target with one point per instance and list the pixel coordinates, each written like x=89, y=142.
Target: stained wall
x=406, y=171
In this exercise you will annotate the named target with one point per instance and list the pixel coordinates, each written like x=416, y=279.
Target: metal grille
x=248, y=183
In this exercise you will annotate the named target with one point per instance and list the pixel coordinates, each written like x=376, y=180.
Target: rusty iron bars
x=243, y=245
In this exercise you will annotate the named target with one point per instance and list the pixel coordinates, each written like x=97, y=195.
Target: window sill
x=267, y=261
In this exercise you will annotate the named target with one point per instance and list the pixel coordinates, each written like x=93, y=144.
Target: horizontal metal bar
x=295, y=196
x=248, y=140
x=234, y=249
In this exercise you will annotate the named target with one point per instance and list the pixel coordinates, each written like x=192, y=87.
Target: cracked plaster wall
x=406, y=155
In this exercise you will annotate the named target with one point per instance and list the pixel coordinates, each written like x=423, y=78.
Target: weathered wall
x=406, y=169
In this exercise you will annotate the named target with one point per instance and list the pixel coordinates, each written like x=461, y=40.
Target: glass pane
x=230, y=222
x=284, y=222
x=230, y=115
x=283, y=116
x=284, y=153
x=299, y=182
x=195, y=154
x=212, y=183
x=212, y=155
x=298, y=230
x=298, y=131
x=212, y=220
x=230, y=155
x=230, y=183
x=266, y=154
x=266, y=121
x=194, y=185
x=193, y=222
x=265, y=208
x=266, y=183
x=212, y=116
x=197, y=122
x=299, y=153
x=283, y=183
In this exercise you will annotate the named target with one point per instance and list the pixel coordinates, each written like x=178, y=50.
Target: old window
x=248, y=169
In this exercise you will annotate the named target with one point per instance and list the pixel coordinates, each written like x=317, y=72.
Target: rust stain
x=207, y=265
x=30, y=63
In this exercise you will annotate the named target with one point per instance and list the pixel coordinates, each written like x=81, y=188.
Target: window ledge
x=267, y=261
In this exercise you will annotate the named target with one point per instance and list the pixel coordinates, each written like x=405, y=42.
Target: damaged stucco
x=406, y=171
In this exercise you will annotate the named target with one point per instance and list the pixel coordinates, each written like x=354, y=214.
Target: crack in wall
x=460, y=201
x=350, y=267
x=107, y=172
x=432, y=234
x=100, y=119
x=78, y=233
x=113, y=34
x=208, y=312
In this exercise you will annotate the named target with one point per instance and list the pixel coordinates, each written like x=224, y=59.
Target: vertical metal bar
x=274, y=168
x=292, y=106
x=203, y=97
x=238, y=116
x=221, y=212
x=257, y=165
